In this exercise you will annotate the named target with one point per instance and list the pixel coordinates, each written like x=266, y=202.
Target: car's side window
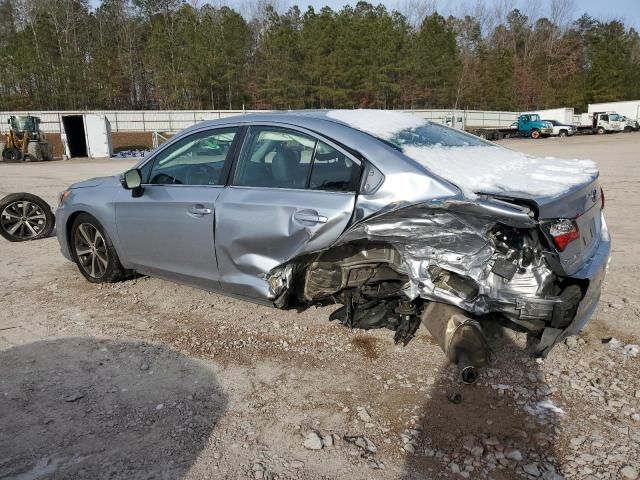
x=198, y=159
x=333, y=170
x=275, y=157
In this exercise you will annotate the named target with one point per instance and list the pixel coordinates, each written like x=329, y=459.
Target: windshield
x=431, y=134
x=22, y=124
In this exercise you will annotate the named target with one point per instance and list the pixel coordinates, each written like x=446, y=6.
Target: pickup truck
x=560, y=129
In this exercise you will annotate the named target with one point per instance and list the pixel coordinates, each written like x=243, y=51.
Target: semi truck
x=527, y=125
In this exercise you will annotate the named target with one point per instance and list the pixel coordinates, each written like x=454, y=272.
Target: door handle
x=199, y=210
x=309, y=216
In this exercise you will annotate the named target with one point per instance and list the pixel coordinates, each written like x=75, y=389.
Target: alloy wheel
x=91, y=250
x=23, y=219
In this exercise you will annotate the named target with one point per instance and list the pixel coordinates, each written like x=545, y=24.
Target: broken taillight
x=564, y=232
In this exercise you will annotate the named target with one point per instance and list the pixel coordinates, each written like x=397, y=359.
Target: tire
x=24, y=217
x=93, y=251
x=628, y=129
x=12, y=155
x=46, y=151
x=601, y=131
x=535, y=134
x=564, y=133
x=34, y=152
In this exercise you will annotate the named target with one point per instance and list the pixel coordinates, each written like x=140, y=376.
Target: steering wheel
x=201, y=174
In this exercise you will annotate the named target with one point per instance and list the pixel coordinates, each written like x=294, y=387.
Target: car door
x=290, y=193
x=168, y=231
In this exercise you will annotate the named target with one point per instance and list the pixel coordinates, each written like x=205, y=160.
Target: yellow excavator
x=25, y=142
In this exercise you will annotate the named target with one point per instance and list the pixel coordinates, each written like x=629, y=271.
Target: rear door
x=290, y=193
x=169, y=230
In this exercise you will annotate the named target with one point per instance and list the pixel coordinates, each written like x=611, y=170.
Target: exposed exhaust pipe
x=460, y=337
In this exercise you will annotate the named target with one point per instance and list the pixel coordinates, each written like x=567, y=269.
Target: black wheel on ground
x=11, y=155
x=563, y=133
x=628, y=129
x=93, y=251
x=600, y=131
x=24, y=216
x=535, y=134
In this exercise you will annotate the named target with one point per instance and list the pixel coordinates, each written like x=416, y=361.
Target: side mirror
x=132, y=180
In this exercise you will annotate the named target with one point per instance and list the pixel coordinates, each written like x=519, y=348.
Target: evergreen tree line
x=169, y=54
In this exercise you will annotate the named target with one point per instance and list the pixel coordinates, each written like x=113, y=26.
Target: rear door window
x=333, y=170
x=283, y=158
x=275, y=157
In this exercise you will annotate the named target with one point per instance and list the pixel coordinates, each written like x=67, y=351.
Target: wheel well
x=68, y=226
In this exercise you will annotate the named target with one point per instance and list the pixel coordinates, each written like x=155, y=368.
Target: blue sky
x=626, y=10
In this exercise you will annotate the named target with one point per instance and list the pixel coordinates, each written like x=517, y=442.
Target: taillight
x=601, y=198
x=564, y=232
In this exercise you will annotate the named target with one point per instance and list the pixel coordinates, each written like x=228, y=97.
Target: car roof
x=380, y=153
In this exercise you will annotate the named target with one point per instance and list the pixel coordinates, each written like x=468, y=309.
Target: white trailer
x=630, y=109
x=562, y=115
x=86, y=135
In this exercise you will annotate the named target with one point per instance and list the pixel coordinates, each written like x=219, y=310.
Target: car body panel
x=160, y=234
x=258, y=229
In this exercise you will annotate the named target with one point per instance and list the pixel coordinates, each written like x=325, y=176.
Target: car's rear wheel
x=93, y=251
x=24, y=216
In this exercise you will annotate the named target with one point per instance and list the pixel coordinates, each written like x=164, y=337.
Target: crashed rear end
x=534, y=261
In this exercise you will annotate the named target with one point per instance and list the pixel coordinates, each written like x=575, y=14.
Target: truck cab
x=530, y=125
x=606, y=122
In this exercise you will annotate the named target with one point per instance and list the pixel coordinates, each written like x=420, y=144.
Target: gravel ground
x=148, y=379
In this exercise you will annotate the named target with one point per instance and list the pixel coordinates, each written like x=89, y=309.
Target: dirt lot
x=148, y=379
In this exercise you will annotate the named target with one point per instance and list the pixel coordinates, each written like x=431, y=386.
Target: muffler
x=460, y=337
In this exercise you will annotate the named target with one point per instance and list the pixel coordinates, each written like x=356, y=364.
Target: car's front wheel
x=93, y=251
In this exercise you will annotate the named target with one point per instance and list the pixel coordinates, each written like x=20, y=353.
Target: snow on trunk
x=484, y=168
x=498, y=170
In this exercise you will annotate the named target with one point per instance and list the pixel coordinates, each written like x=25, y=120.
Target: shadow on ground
x=499, y=428
x=87, y=408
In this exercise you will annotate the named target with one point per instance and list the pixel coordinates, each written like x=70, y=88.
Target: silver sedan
x=397, y=220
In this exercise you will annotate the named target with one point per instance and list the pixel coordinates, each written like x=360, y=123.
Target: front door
x=168, y=231
x=290, y=194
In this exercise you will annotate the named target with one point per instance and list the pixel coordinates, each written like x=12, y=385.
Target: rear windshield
x=432, y=134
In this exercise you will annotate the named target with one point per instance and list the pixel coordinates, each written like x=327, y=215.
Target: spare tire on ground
x=24, y=216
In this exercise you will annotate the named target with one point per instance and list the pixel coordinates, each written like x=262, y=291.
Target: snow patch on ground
x=543, y=408
x=498, y=170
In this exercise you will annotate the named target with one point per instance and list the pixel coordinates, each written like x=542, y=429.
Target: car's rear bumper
x=594, y=272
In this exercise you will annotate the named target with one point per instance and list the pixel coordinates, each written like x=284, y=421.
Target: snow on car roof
x=483, y=168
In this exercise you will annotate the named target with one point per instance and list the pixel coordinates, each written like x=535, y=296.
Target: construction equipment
x=25, y=142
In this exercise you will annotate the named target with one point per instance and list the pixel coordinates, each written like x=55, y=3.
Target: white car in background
x=560, y=129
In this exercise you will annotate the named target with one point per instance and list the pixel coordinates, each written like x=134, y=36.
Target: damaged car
x=397, y=220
